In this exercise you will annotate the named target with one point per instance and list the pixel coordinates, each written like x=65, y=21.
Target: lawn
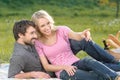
x=101, y=22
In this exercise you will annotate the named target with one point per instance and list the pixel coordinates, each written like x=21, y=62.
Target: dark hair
x=21, y=27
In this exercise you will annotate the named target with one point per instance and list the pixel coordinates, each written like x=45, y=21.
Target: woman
x=53, y=44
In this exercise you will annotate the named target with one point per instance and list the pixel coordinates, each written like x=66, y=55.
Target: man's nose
x=35, y=35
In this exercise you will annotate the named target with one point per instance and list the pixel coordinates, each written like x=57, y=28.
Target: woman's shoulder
x=62, y=28
x=38, y=42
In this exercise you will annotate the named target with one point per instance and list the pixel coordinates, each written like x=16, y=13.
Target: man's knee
x=64, y=75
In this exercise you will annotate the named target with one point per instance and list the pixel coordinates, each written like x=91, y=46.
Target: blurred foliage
x=73, y=7
x=61, y=3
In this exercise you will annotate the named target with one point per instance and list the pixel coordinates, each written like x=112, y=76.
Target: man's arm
x=33, y=74
x=16, y=67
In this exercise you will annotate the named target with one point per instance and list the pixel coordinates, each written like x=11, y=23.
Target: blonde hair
x=42, y=14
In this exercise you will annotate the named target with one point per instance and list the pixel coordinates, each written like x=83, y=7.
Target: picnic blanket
x=4, y=71
x=4, y=74
x=117, y=50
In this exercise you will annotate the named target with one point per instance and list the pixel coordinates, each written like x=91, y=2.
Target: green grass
x=101, y=22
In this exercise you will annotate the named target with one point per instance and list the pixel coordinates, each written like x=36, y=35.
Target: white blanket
x=117, y=50
x=4, y=74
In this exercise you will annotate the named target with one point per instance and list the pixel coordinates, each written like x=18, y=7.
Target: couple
x=53, y=44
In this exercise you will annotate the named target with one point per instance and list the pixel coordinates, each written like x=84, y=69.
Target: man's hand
x=37, y=74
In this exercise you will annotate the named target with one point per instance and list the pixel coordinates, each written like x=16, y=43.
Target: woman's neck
x=49, y=40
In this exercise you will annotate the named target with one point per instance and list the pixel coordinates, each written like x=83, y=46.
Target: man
x=25, y=61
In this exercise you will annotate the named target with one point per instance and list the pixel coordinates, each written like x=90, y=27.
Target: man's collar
x=24, y=46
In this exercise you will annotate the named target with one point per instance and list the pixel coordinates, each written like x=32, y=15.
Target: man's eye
x=32, y=32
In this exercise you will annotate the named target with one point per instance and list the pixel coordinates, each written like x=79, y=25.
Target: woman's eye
x=42, y=25
x=48, y=23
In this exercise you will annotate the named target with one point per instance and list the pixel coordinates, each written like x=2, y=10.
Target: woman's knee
x=88, y=60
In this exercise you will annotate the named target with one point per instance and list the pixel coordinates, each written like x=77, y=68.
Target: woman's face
x=44, y=26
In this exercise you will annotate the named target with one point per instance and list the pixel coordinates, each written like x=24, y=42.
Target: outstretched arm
x=80, y=35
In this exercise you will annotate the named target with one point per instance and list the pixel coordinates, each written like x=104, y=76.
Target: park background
x=101, y=16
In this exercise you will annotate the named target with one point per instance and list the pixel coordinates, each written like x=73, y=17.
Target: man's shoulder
x=18, y=46
x=19, y=49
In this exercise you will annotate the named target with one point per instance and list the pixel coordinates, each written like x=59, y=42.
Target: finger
x=72, y=71
x=86, y=39
x=68, y=73
x=46, y=76
x=75, y=67
x=87, y=30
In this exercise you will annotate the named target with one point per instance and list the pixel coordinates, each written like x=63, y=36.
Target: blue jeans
x=96, y=52
x=90, y=69
x=80, y=75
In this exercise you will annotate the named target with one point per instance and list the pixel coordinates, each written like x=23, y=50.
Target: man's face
x=30, y=36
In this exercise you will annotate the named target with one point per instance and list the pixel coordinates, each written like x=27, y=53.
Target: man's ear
x=20, y=35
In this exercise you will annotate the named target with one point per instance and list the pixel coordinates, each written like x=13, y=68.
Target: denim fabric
x=90, y=69
x=92, y=49
x=89, y=64
x=113, y=66
x=80, y=75
x=96, y=52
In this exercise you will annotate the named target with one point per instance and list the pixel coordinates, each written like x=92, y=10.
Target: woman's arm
x=80, y=35
x=49, y=67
